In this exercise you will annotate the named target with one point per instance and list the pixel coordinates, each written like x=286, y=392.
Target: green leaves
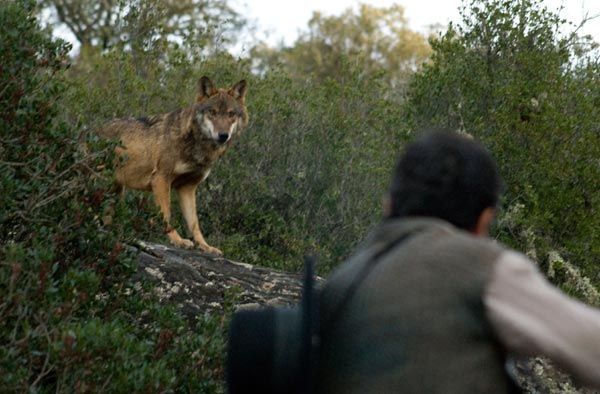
x=507, y=76
x=69, y=316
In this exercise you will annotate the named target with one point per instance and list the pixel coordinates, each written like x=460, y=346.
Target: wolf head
x=221, y=113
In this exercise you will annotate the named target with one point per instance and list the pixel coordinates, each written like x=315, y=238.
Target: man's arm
x=532, y=317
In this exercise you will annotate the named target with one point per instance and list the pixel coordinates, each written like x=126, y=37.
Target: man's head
x=447, y=176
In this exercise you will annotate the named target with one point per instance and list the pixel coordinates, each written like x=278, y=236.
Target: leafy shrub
x=70, y=319
x=313, y=168
x=309, y=173
x=509, y=78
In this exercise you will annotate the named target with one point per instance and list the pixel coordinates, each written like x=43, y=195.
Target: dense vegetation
x=328, y=118
x=71, y=321
x=532, y=96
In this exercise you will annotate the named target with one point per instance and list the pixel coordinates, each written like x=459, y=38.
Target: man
x=430, y=304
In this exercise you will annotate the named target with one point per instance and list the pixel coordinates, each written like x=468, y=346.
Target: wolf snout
x=223, y=137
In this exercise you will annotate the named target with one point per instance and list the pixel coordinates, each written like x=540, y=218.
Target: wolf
x=177, y=150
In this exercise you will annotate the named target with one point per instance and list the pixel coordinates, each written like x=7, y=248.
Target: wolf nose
x=223, y=137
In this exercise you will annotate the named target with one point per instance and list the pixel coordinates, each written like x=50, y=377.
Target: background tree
x=106, y=23
x=508, y=76
x=377, y=40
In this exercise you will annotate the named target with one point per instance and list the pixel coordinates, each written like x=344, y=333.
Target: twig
x=54, y=197
x=12, y=163
x=586, y=18
x=91, y=170
x=45, y=371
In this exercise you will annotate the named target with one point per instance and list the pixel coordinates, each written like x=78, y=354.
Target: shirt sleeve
x=532, y=317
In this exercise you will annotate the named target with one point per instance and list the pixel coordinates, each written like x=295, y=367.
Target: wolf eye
x=231, y=114
x=212, y=112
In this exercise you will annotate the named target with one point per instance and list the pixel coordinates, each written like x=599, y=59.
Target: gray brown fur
x=178, y=149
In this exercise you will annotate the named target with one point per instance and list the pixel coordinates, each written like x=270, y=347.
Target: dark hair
x=445, y=175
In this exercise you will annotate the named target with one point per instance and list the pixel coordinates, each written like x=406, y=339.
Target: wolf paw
x=187, y=244
x=179, y=242
x=211, y=249
x=183, y=243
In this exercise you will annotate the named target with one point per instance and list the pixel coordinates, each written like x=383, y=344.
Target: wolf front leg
x=161, y=188
x=187, y=200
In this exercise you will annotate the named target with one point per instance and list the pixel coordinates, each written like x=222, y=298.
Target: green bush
x=509, y=78
x=313, y=167
x=309, y=173
x=70, y=317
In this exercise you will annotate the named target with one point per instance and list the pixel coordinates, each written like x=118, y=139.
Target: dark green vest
x=416, y=323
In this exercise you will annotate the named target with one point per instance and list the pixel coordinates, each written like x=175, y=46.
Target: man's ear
x=205, y=89
x=238, y=91
x=482, y=227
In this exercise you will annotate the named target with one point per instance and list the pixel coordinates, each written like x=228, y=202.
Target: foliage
x=309, y=173
x=313, y=166
x=71, y=320
x=508, y=77
x=377, y=40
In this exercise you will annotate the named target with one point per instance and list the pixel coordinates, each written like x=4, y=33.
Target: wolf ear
x=238, y=91
x=205, y=88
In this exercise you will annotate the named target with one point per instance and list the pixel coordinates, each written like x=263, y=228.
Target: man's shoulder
x=468, y=239
x=424, y=236
x=437, y=237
